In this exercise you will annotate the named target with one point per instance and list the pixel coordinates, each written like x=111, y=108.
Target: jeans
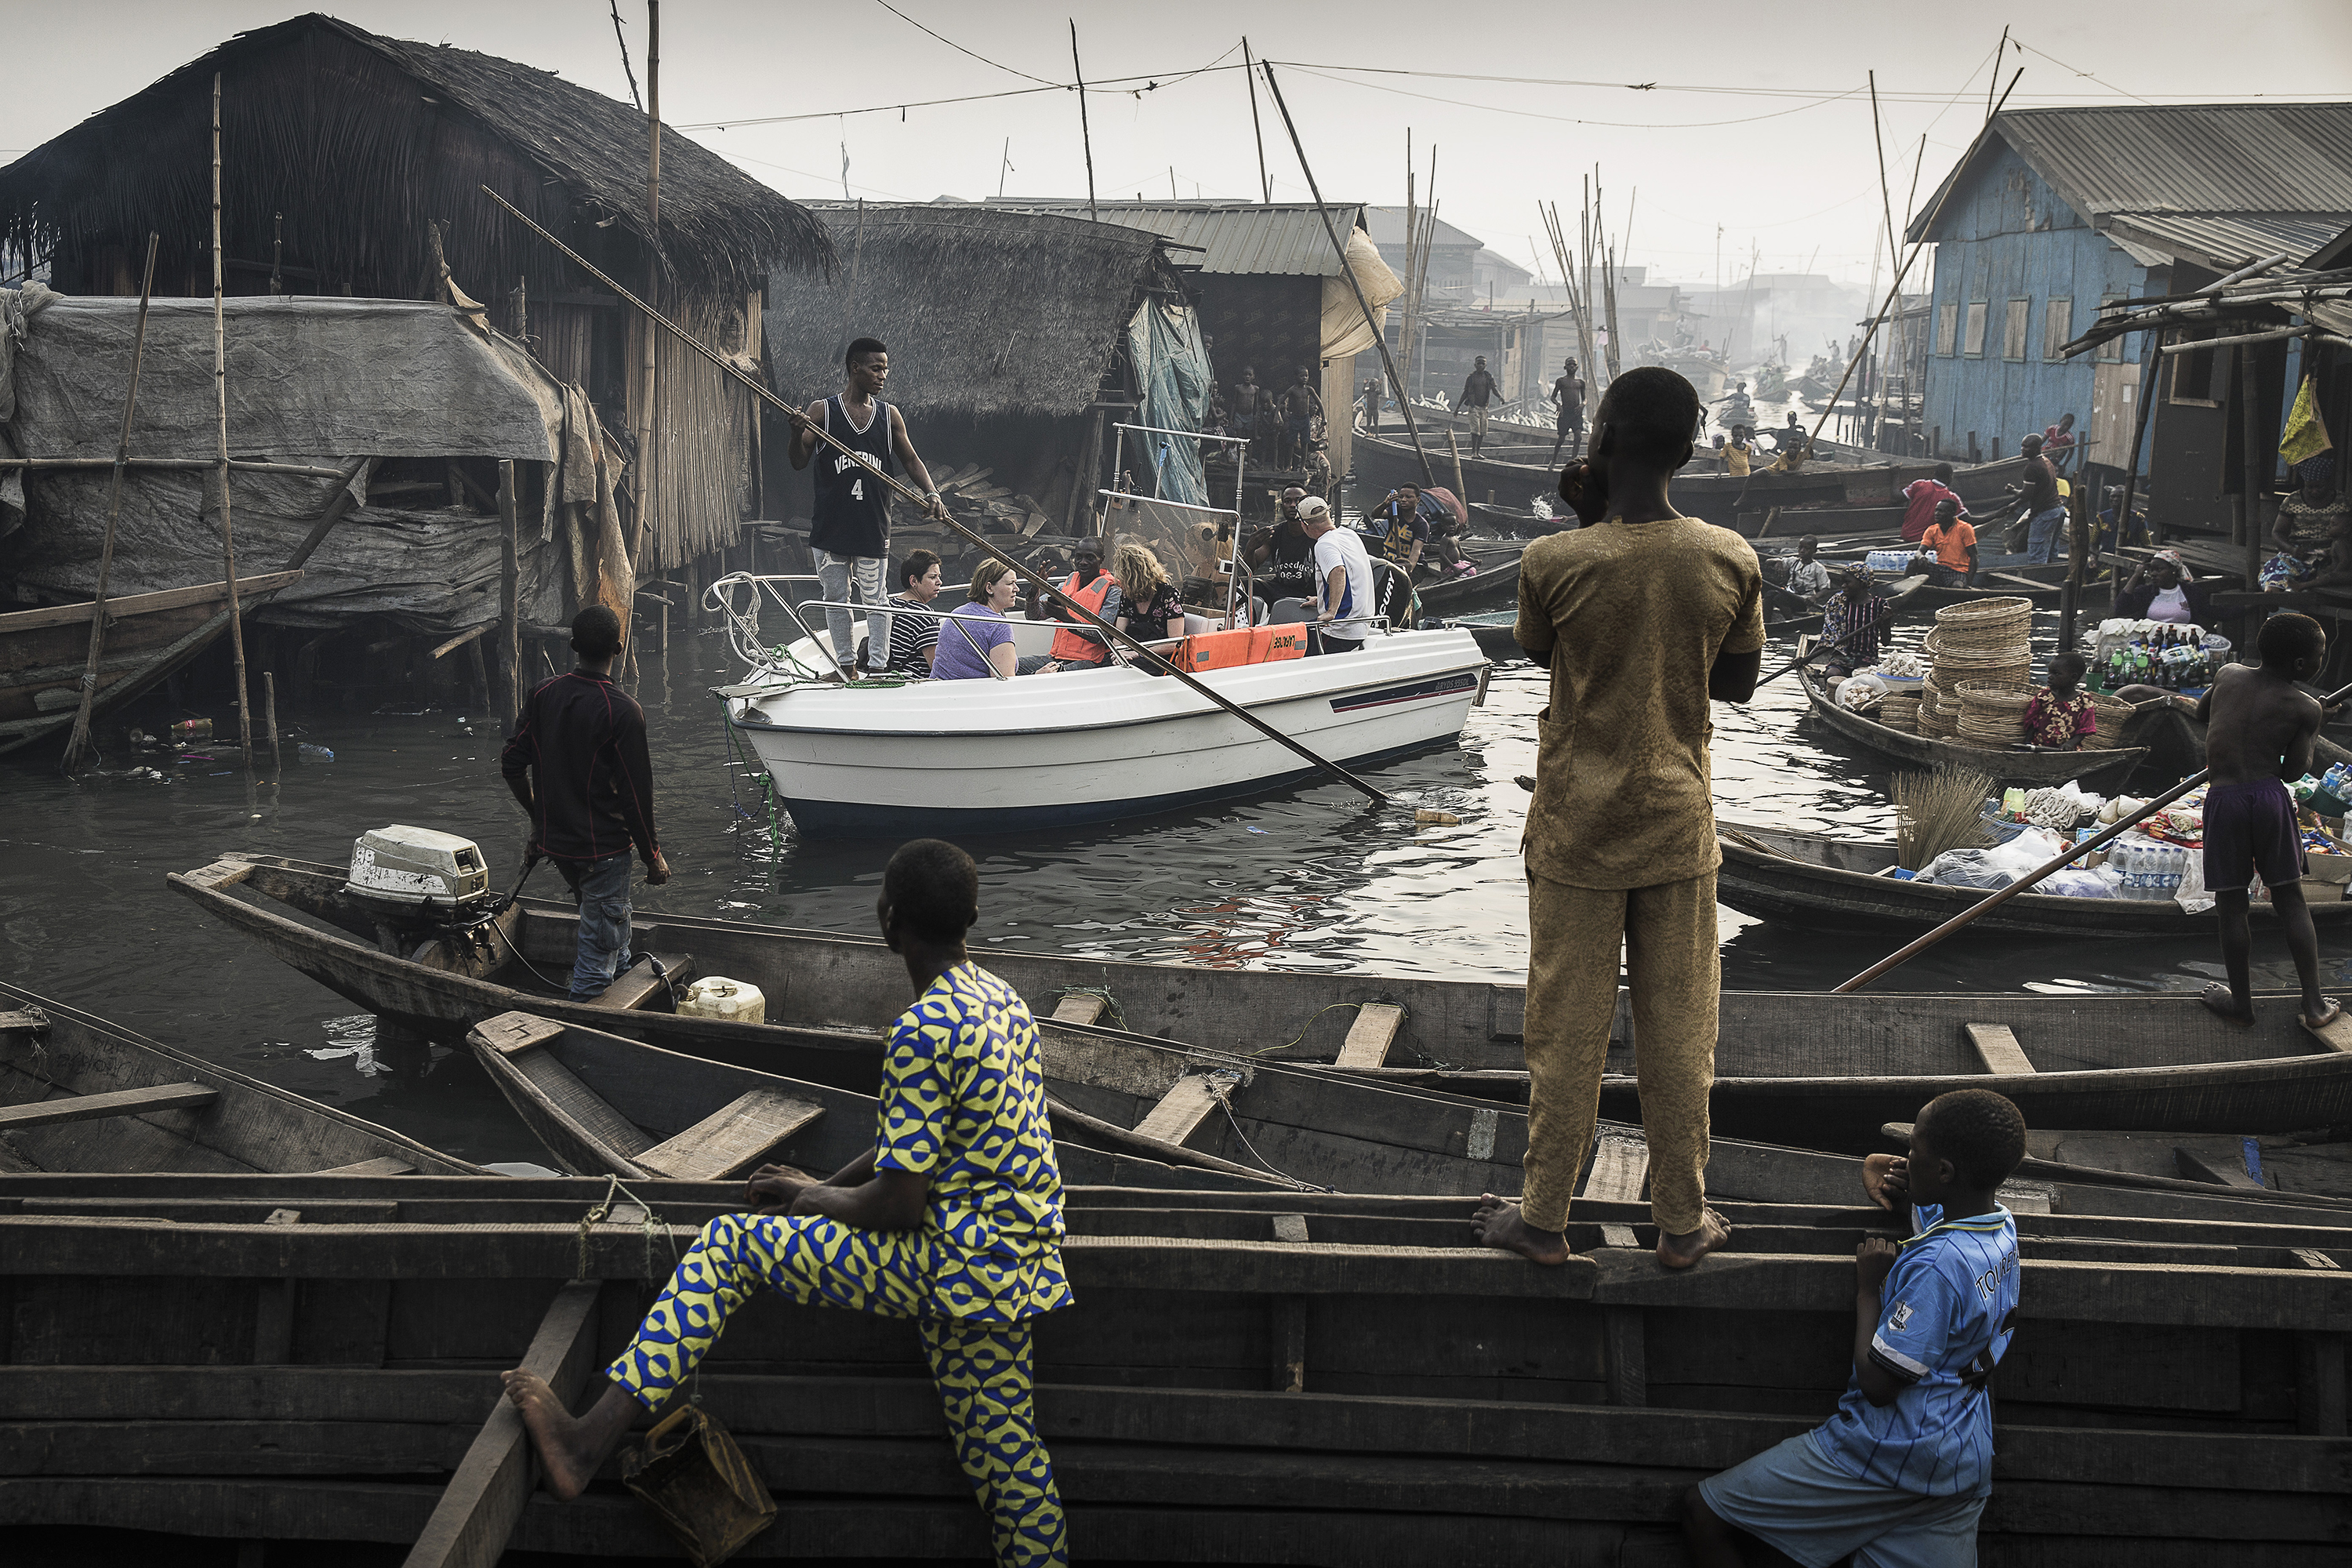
x=835, y=573
x=2041, y=537
x=602, y=888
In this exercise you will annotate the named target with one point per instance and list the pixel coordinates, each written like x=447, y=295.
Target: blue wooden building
x=2058, y=210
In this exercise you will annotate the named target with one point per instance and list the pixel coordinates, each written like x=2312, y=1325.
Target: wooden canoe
x=2008, y=767
x=2042, y=585
x=78, y=1093
x=1813, y=880
x=1824, y=1070
x=1332, y=1380
x=43, y=652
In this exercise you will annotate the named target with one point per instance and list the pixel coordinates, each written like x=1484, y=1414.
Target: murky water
x=1306, y=879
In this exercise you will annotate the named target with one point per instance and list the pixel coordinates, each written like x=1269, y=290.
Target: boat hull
x=977, y=757
x=2007, y=767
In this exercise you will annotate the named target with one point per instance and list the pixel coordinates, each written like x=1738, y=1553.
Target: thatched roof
x=357, y=140
x=985, y=310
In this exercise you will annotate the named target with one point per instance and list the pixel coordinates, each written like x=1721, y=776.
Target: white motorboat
x=878, y=758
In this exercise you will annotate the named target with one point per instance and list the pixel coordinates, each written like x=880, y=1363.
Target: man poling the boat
x=952, y=1219
x=1645, y=616
x=849, y=528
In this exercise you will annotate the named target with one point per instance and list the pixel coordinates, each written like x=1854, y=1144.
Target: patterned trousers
x=980, y=1370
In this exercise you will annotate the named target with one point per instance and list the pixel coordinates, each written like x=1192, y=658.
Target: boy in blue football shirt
x=1898, y=1476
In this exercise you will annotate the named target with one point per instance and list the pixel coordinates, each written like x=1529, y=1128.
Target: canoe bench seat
x=637, y=985
x=91, y=1106
x=733, y=1141
x=1998, y=1051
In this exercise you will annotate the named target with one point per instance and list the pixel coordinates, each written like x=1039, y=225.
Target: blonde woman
x=1148, y=607
x=992, y=591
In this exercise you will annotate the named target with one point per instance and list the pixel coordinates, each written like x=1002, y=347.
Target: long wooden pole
x=1371, y=323
x=993, y=547
x=79, y=738
x=648, y=421
x=1985, y=906
x=1249, y=69
x=220, y=389
x=1085, y=130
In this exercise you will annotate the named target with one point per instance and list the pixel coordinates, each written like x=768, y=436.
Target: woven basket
x=2112, y=716
x=1985, y=618
x=1993, y=712
x=1900, y=714
x=1939, y=725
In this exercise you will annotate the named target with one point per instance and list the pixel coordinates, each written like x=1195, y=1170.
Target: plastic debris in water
x=322, y=753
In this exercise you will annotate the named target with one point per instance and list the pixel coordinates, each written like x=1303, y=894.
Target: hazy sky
x=1759, y=120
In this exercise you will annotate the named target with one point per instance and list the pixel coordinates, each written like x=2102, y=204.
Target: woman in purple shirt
x=982, y=621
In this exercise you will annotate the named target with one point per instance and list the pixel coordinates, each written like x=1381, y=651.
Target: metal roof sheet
x=1284, y=239
x=1386, y=226
x=2226, y=241
x=2202, y=158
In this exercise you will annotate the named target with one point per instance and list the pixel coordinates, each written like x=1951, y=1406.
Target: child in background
x=2259, y=730
x=2061, y=718
x=1950, y=541
x=1900, y=1474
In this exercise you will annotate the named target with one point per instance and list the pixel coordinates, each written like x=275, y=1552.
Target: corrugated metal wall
x=2012, y=238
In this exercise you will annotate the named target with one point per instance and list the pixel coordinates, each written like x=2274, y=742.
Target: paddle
x=1986, y=905
x=1900, y=586
x=968, y=536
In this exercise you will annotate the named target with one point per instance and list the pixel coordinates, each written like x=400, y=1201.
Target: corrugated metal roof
x=1386, y=226
x=2205, y=158
x=2226, y=242
x=1284, y=239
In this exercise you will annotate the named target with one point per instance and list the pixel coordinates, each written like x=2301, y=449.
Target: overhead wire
x=960, y=48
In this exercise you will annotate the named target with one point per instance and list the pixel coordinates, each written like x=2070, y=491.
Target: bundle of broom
x=1938, y=810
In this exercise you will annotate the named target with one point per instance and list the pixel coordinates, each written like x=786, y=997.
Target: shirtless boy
x=2258, y=731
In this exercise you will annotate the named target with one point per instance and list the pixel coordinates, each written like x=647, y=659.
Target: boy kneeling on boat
x=1900, y=1474
x=954, y=1219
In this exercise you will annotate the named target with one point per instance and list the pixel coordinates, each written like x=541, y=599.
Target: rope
x=1269, y=1050
x=602, y=1210
x=1219, y=1090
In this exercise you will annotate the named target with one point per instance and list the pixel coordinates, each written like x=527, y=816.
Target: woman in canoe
x=2162, y=588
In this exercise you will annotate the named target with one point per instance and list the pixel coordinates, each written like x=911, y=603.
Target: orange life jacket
x=1074, y=647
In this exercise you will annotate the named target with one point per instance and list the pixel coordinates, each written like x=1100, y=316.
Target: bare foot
x=570, y=1448
x=2222, y=1003
x=1681, y=1251
x=1500, y=1224
x=2327, y=1012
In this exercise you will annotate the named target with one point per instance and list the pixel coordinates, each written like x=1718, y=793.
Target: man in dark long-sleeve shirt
x=578, y=763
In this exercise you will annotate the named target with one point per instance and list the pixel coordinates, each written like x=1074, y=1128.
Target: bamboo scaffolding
x=220, y=388
x=79, y=738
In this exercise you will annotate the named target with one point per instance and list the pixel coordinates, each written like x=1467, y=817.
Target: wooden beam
x=512, y=1032
x=2197, y=1167
x=1371, y=1036
x=479, y=1510
x=640, y=985
x=1288, y=1340
x=27, y=1019
x=121, y=609
x=732, y=1141
x=1182, y=1109
x=121, y=1103
x=1625, y=1362
x=1078, y=1007
x=1998, y=1050
x=1620, y=1166
x=2319, y=1405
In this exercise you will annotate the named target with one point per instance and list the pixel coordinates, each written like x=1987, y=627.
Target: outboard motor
x=436, y=878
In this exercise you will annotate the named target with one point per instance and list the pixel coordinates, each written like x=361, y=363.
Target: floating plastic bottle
x=318, y=753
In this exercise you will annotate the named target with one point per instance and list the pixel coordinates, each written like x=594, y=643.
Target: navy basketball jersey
x=852, y=515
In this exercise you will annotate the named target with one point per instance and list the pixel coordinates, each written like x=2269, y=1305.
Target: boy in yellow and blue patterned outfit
x=953, y=1219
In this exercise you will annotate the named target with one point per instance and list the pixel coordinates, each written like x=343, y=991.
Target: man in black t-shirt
x=849, y=529
x=1478, y=391
x=1568, y=394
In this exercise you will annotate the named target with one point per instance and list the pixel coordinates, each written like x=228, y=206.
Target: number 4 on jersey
x=858, y=490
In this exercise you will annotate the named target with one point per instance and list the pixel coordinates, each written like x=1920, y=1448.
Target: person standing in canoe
x=849, y=527
x=953, y=1219
x=1645, y=616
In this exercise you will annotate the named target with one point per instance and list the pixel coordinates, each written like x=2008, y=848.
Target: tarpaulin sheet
x=1344, y=332
x=385, y=378
x=1164, y=342
x=430, y=570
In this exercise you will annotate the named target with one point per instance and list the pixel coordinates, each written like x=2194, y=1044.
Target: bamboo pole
x=269, y=713
x=2151, y=354
x=509, y=585
x=79, y=738
x=1085, y=130
x=1249, y=68
x=993, y=547
x=306, y=470
x=220, y=388
x=648, y=428
x=1412, y=426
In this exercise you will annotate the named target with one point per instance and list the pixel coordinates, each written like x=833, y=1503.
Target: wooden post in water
x=220, y=388
x=269, y=712
x=509, y=591
x=79, y=738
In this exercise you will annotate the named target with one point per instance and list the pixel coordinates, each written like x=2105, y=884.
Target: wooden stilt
x=220, y=388
x=270, y=711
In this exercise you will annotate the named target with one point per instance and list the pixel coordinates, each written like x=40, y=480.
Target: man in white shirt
x=1343, y=581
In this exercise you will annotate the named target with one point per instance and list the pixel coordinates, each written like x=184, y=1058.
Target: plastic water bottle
x=2173, y=866
x=2125, y=858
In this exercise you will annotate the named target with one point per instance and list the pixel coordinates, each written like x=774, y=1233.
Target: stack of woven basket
x=1901, y=713
x=1985, y=642
x=1993, y=712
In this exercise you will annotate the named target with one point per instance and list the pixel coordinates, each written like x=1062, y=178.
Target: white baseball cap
x=1313, y=506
